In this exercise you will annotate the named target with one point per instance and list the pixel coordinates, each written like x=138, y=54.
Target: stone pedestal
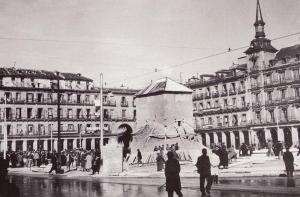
x=215, y=138
x=112, y=158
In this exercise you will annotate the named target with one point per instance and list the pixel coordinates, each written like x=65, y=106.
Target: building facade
x=29, y=106
x=254, y=101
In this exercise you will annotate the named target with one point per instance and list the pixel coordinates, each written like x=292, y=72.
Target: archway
x=237, y=139
x=261, y=138
x=246, y=137
x=228, y=139
x=274, y=135
x=287, y=137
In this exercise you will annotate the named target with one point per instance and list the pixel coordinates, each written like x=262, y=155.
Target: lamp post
x=5, y=130
x=101, y=115
x=58, y=120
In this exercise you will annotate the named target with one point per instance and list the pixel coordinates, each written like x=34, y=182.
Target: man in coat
x=172, y=171
x=203, y=166
x=288, y=159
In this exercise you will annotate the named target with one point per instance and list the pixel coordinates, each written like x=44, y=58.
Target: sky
x=135, y=41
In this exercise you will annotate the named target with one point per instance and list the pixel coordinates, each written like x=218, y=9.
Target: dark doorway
x=88, y=144
x=287, y=137
x=274, y=135
x=19, y=145
x=246, y=137
x=70, y=144
x=204, y=138
x=228, y=139
x=261, y=138
x=237, y=139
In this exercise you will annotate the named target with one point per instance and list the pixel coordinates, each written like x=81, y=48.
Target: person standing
x=139, y=157
x=160, y=161
x=203, y=167
x=172, y=171
x=288, y=159
x=54, y=163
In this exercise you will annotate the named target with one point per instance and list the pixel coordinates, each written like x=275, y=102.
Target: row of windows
x=224, y=103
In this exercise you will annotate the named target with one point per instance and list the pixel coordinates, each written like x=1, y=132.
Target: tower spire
x=259, y=22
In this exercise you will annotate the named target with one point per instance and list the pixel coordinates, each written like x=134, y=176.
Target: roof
x=39, y=74
x=162, y=86
x=291, y=51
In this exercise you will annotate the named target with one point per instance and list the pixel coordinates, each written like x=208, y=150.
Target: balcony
x=224, y=93
x=109, y=103
x=124, y=104
x=215, y=95
x=232, y=92
x=197, y=97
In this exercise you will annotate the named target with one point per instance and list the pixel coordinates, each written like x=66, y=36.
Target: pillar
x=35, y=145
x=241, y=135
x=45, y=145
x=84, y=143
x=207, y=138
x=295, y=136
x=2, y=145
x=55, y=145
x=280, y=135
x=224, y=138
x=24, y=145
x=93, y=143
x=65, y=144
x=215, y=138
x=74, y=143
x=268, y=134
x=232, y=139
x=13, y=145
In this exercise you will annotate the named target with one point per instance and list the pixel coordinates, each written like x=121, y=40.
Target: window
x=18, y=96
x=233, y=102
x=243, y=101
x=269, y=96
x=29, y=112
x=50, y=128
x=210, y=121
x=217, y=103
x=258, y=117
x=284, y=113
x=272, y=117
x=69, y=97
x=19, y=129
x=78, y=98
x=297, y=92
x=29, y=97
x=70, y=113
x=123, y=113
x=49, y=97
x=244, y=118
x=226, y=121
x=283, y=92
x=40, y=113
x=225, y=103
x=40, y=98
x=88, y=113
x=134, y=114
x=296, y=74
x=50, y=113
x=70, y=127
x=30, y=129
x=18, y=113
x=208, y=106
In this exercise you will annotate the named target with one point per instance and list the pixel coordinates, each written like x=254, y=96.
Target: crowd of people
x=77, y=159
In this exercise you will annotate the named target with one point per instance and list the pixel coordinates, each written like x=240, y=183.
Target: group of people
x=160, y=154
x=80, y=159
x=168, y=147
x=225, y=154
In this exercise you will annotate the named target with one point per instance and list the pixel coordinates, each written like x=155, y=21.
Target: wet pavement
x=54, y=186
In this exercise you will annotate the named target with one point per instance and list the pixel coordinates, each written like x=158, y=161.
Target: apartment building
x=253, y=101
x=29, y=106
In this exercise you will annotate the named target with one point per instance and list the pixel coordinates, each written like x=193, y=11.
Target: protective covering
x=154, y=135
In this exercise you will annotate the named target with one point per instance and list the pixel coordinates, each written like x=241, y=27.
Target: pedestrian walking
x=214, y=161
x=172, y=171
x=288, y=159
x=54, y=164
x=203, y=166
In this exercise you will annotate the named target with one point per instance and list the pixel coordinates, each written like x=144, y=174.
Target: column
x=2, y=145
x=13, y=145
x=254, y=139
x=34, y=145
x=55, y=145
x=224, y=138
x=24, y=145
x=75, y=143
x=268, y=134
x=232, y=139
x=280, y=134
x=45, y=144
x=207, y=138
x=241, y=135
x=84, y=143
x=215, y=138
x=295, y=136
x=65, y=144
x=93, y=143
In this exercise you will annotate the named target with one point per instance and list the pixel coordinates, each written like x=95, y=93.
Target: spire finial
x=259, y=22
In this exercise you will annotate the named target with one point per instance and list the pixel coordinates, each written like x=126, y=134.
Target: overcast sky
x=126, y=39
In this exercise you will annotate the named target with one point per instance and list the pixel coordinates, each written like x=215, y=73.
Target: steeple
x=260, y=43
x=259, y=22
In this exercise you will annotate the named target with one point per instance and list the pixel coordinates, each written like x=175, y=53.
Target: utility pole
x=5, y=129
x=101, y=115
x=58, y=121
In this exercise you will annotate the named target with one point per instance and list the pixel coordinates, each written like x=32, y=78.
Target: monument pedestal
x=112, y=158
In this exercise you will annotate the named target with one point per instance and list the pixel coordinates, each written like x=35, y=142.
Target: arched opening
x=211, y=138
x=203, y=139
x=287, y=137
x=274, y=135
x=246, y=137
x=219, y=137
x=237, y=139
x=228, y=139
x=261, y=138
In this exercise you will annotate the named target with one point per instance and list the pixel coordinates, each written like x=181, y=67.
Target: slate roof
x=291, y=51
x=40, y=74
x=164, y=85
